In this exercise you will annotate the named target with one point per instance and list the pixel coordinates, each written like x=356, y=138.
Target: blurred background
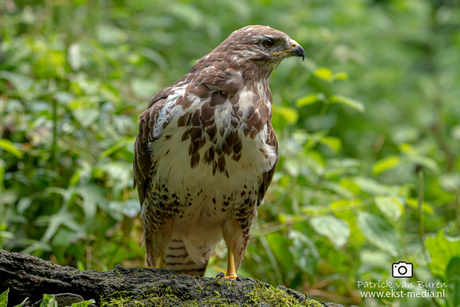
x=368, y=126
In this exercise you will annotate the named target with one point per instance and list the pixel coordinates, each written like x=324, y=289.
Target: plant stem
x=457, y=205
x=54, y=162
x=420, y=197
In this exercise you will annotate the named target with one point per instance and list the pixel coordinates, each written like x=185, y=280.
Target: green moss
x=162, y=297
x=165, y=295
x=116, y=299
x=151, y=298
x=271, y=296
x=276, y=297
x=313, y=303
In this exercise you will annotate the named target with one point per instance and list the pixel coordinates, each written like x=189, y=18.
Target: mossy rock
x=184, y=291
x=28, y=276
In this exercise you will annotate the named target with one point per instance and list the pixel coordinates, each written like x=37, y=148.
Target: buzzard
x=206, y=152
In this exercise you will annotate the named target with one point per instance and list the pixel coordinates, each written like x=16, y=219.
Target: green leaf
x=375, y=258
x=326, y=74
x=109, y=34
x=298, y=238
x=22, y=303
x=340, y=76
x=407, y=149
x=123, y=142
x=385, y=164
x=304, y=252
x=427, y=162
x=155, y=57
x=2, y=174
x=48, y=301
x=442, y=249
x=450, y=182
x=453, y=280
x=86, y=116
x=338, y=189
x=37, y=245
x=290, y=114
x=63, y=237
x=271, y=258
x=83, y=304
x=280, y=247
x=427, y=208
x=391, y=207
x=348, y=102
x=307, y=100
x=455, y=132
x=65, y=193
x=378, y=232
x=188, y=13
x=129, y=207
x=75, y=178
x=6, y=234
x=323, y=73
x=4, y=298
x=63, y=97
x=8, y=146
x=332, y=142
x=20, y=82
x=23, y=204
x=371, y=186
x=336, y=230
x=292, y=167
x=143, y=88
x=92, y=196
x=63, y=217
x=74, y=56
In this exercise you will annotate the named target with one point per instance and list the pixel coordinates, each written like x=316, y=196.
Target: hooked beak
x=295, y=50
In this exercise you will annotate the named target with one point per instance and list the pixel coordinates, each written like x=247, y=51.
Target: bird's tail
x=184, y=258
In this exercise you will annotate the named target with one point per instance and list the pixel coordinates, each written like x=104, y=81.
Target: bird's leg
x=160, y=261
x=231, y=272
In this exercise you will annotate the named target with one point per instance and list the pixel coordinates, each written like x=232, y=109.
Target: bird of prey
x=206, y=152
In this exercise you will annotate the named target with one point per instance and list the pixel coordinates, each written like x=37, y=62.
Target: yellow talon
x=160, y=261
x=231, y=272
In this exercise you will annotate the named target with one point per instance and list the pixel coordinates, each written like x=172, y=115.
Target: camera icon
x=402, y=269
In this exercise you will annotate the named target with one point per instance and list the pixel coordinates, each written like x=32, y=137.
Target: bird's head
x=264, y=46
x=260, y=43
x=252, y=52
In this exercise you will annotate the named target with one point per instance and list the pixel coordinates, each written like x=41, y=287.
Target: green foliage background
x=368, y=125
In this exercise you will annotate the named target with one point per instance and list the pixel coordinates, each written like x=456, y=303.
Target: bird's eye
x=269, y=43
